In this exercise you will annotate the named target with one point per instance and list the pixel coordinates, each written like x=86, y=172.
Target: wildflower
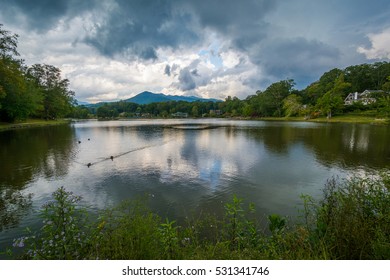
x=19, y=243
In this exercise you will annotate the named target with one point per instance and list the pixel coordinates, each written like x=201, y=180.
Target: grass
x=348, y=118
x=30, y=123
x=351, y=221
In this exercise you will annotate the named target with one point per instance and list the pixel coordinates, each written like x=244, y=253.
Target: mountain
x=147, y=97
x=82, y=103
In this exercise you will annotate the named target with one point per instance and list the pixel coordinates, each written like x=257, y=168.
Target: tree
x=8, y=44
x=329, y=103
x=270, y=102
x=57, y=98
x=317, y=89
x=195, y=111
x=18, y=96
x=292, y=105
x=386, y=85
x=332, y=101
x=21, y=98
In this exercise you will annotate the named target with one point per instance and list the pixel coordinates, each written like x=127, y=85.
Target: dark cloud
x=194, y=72
x=42, y=15
x=140, y=27
x=186, y=80
x=231, y=15
x=241, y=22
x=167, y=70
x=296, y=58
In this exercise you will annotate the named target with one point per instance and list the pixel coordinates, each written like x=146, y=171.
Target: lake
x=184, y=166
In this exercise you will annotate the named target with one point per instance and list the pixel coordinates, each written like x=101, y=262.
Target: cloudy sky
x=114, y=49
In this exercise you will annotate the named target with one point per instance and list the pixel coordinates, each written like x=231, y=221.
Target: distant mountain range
x=147, y=97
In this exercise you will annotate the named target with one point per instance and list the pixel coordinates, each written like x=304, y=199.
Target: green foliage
x=276, y=223
x=332, y=101
x=270, y=102
x=384, y=105
x=64, y=234
x=292, y=105
x=8, y=44
x=18, y=97
x=169, y=238
x=37, y=91
x=57, y=98
x=129, y=231
x=329, y=103
x=354, y=218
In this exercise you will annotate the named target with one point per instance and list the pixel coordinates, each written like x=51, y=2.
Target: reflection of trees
x=352, y=145
x=148, y=132
x=275, y=138
x=347, y=145
x=25, y=154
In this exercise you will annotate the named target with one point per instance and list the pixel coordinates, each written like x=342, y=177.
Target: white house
x=364, y=97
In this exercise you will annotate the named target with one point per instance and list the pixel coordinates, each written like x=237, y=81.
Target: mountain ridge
x=147, y=97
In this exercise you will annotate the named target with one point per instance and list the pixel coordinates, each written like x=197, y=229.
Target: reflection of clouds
x=202, y=156
x=212, y=174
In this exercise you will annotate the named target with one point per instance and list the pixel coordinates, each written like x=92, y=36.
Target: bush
x=354, y=218
x=64, y=234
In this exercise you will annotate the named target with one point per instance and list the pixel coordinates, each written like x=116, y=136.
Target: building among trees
x=366, y=97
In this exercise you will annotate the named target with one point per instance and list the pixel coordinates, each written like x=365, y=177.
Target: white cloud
x=380, y=46
x=230, y=59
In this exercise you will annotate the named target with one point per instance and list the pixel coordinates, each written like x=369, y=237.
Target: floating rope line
x=123, y=154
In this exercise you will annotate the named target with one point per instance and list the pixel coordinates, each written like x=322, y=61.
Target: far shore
x=336, y=119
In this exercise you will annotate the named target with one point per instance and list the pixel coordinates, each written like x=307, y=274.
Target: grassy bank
x=336, y=119
x=352, y=221
x=30, y=123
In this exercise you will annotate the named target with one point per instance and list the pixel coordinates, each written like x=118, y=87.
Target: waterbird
x=89, y=164
x=79, y=141
x=89, y=139
x=111, y=157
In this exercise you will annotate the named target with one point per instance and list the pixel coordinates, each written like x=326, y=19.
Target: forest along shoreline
x=336, y=119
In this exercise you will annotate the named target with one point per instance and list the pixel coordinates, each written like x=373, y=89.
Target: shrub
x=64, y=234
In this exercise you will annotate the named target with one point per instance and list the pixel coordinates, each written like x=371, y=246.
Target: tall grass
x=351, y=221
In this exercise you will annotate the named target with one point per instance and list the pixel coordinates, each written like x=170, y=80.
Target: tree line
x=324, y=97
x=36, y=91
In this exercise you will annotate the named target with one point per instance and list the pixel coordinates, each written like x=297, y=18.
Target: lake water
x=184, y=166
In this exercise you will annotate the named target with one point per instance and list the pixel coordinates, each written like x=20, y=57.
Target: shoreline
x=31, y=123
x=336, y=119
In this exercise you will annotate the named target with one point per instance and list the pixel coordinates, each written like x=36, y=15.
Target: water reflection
x=27, y=155
x=185, y=166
